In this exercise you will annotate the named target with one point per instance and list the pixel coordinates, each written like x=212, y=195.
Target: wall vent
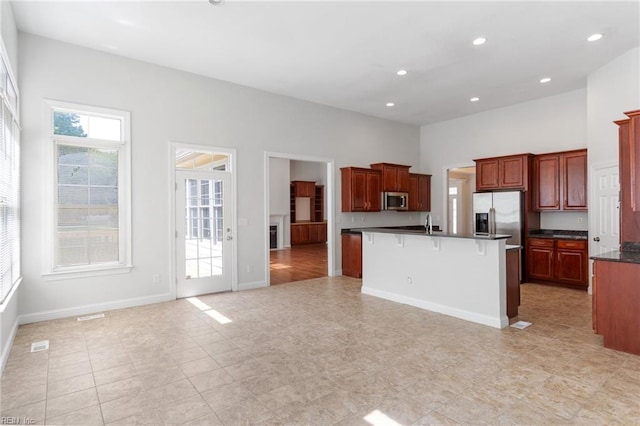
x=40, y=346
x=90, y=317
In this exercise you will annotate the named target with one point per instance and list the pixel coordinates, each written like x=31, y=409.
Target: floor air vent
x=90, y=317
x=40, y=346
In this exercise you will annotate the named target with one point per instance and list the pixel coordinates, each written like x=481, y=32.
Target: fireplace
x=273, y=236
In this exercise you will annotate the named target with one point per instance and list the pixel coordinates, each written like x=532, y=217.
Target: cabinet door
x=571, y=262
x=295, y=234
x=322, y=232
x=540, y=259
x=424, y=191
x=547, y=182
x=402, y=179
x=414, y=197
x=389, y=179
x=512, y=172
x=358, y=190
x=570, y=267
x=575, y=180
x=304, y=233
x=487, y=172
x=372, y=191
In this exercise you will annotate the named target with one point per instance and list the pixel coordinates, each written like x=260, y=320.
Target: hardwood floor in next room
x=300, y=262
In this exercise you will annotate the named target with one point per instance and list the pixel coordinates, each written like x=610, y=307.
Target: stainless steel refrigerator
x=499, y=213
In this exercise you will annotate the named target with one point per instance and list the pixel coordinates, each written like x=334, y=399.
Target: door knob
x=596, y=239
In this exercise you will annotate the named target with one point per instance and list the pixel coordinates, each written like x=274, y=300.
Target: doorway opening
x=299, y=218
x=461, y=184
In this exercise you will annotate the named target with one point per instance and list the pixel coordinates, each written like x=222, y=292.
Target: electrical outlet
x=409, y=280
x=155, y=278
x=580, y=220
x=249, y=268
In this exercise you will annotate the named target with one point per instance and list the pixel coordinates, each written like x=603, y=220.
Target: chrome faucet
x=428, y=225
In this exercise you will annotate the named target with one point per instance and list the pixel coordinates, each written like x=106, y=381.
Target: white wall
x=611, y=90
x=169, y=105
x=279, y=193
x=310, y=171
x=573, y=221
x=555, y=123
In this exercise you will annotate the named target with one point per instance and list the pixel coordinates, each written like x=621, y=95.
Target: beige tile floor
x=319, y=352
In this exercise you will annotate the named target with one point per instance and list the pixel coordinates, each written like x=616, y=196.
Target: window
x=91, y=173
x=10, y=273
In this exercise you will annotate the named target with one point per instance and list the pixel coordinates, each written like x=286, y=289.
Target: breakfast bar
x=464, y=276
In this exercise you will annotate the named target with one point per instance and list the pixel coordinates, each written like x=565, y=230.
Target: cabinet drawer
x=572, y=244
x=541, y=242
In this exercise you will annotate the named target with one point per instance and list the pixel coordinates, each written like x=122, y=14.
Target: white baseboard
x=250, y=286
x=90, y=309
x=338, y=273
x=441, y=309
x=4, y=357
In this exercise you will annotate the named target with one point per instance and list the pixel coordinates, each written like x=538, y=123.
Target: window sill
x=6, y=301
x=86, y=273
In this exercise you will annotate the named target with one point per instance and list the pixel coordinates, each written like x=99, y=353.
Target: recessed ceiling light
x=479, y=41
x=474, y=99
x=594, y=37
x=390, y=104
x=401, y=72
x=545, y=80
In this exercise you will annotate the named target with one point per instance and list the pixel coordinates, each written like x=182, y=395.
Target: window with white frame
x=91, y=191
x=10, y=273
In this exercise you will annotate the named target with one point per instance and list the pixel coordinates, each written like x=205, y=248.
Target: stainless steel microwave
x=395, y=201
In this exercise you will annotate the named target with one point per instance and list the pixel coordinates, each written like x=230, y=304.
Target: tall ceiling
x=346, y=54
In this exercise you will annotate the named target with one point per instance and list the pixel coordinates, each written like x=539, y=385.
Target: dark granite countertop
x=619, y=256
x=561, y=234
x=414, y=228
x=421, y=233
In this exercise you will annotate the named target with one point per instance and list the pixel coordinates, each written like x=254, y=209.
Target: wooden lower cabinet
x=308, y=233
x=352, y=255
x=558, y=261
x=616, y=298
x=540, y=259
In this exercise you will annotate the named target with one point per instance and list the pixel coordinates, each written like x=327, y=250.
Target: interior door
x=203, y=232
x=606, y=235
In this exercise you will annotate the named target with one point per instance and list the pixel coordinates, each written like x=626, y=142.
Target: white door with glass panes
x=203, y=232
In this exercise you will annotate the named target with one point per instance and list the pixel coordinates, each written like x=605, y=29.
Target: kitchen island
x=464, y=276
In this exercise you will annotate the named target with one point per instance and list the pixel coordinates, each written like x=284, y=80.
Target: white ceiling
x=345, y=54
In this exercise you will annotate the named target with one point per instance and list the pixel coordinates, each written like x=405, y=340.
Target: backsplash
x=574, y=221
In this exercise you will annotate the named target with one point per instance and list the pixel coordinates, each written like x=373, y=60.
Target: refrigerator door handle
x=492, y=221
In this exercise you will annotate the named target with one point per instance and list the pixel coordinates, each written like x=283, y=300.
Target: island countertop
x=399, y=231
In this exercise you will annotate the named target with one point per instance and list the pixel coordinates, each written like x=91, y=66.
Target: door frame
x=329, y=207
x=592, y=215
x=173, y=279
x=445, y=192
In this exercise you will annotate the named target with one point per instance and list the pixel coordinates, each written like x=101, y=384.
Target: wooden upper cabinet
x=510, y=172
x=629, y=148
x=546, y=169
x=487, y=172
x=574, y=173
x=634, y=159
x=419, y=192
x=395, y=177
x=360, y=189
x=560, y=181
x=304, y=188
